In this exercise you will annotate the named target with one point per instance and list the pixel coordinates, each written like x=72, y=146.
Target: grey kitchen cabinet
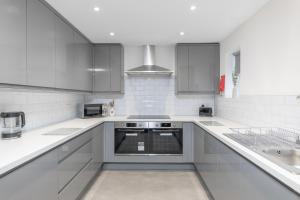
x=65, y=75
x=116, y=68
x=229, y=176
x=82, y=63
x=35, y=181
x=182, y=73
x=73, y=164
x=108, y=68
x=197, y=68
x=76, y=187
x=40, y=45
x=73, y=56
x=62, y=173
x=77, y=167
x=13, y=42
x=98, y=144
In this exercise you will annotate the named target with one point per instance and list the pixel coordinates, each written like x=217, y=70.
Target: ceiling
x=159, y=22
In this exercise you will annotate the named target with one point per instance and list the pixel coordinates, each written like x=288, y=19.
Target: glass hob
x=148, y=117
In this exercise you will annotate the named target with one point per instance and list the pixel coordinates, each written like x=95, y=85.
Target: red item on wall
x=222, y=84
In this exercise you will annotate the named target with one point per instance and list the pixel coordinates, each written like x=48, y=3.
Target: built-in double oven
x=148, y=138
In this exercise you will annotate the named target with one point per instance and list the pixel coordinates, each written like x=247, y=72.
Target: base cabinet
x=61, y=174
x=35, y=181
x=98, y=144
x=73, y=190
x=229, y=176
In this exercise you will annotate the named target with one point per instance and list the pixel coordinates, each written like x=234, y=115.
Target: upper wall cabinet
x=38, y=48
x=83, y=63
x=73, y=59
x=13, y=42
x=64, y=55
x=108, y=68
x=197, y=68
x=40, y=45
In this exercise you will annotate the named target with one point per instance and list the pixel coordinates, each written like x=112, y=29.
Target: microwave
x=93, y=110
x=205, y=111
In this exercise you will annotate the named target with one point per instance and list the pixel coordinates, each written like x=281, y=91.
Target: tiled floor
x=146, y=185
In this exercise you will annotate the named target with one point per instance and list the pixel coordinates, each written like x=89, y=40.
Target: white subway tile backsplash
x=41, y=107
x=278, y=111
x=153, y=96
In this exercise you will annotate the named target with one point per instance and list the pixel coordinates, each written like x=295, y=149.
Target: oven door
x=165, y=141
x=131, y=141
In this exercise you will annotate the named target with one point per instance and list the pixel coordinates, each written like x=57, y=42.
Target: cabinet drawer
x=35, y=180
x=72, y=165
x=78, y=184
x=69, y=147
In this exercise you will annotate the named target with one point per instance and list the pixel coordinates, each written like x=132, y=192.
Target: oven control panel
x=165, y=125
x=153, y=125
x=131, y=125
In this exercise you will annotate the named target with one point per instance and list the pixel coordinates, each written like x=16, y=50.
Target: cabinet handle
x=166, y=134
x=131, y=134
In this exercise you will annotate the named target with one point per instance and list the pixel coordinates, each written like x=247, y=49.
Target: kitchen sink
x=62, y=131
x=288, y=157
x=278, y=145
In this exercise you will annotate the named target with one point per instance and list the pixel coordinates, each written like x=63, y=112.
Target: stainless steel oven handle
x=166, y=134
x=131, y=134
x=165, y=131
x=132, y=130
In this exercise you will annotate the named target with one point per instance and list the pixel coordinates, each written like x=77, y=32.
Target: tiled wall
x=262, y=111
x=153, y=96
x=41, y=108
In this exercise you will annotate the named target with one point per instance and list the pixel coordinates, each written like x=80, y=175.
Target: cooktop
x=148, y=117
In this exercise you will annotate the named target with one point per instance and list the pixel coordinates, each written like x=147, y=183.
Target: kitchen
x=137, y=99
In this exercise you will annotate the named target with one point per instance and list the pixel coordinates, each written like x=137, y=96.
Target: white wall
x=270, y=50
x=270, y=68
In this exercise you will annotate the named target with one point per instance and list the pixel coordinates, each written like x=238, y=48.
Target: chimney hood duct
x=149, y=67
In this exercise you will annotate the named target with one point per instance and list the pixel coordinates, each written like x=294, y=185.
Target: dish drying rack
x=262, y=138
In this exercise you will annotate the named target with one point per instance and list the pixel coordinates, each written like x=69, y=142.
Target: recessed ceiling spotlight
x=96, y=9
x=193, y=7
x=181, y=33
x=112, y=34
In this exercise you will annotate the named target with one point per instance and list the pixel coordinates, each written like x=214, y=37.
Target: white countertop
x=33, y=143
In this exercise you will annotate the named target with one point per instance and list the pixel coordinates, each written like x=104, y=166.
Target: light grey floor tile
x=146, y=185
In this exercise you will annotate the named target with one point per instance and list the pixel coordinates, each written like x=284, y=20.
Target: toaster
x=205, y=111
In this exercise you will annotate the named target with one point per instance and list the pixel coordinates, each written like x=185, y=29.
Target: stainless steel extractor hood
x=149, y=67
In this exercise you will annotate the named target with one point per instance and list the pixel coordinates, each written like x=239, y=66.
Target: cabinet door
x=13, y=41
x=102, y=68
x=202, y=68
x=83, y=64
x=116, y=66
x=40, y=45
x=98, y=147
x=35, y=181
x=182, y=68
x=64, y=55
x=229, y=176
x=71, y=166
